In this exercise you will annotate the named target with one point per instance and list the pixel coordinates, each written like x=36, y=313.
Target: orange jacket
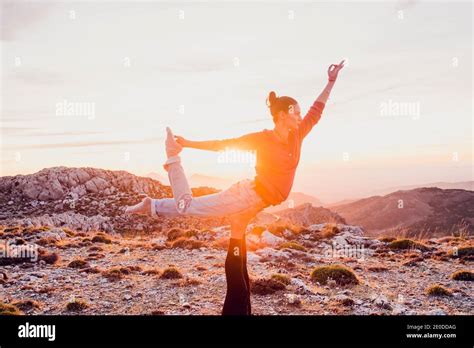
x=276, y=161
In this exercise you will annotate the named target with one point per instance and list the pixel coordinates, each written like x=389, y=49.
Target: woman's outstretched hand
x=181, y=141
x=334, y=69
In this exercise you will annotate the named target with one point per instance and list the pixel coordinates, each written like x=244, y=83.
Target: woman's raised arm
x=314, y=113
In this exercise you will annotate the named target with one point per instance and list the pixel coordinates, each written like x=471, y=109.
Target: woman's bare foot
x=173, y=148
x=142, y=208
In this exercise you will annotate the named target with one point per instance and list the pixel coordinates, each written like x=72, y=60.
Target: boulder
x=270, y=239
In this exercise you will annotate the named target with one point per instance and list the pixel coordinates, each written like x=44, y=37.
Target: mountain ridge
x=409, y=211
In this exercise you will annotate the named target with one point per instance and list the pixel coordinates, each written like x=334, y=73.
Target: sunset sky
x=205, y=69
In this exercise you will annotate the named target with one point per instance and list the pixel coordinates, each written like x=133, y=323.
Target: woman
x=278, y=153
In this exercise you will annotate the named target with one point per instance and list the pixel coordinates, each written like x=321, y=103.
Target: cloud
x=194, y=67
x=253, y=121
x=35, y=76
x=18, y=16
x=405, y=4
x=82, y=144
x=35, y=132
x=16, y=130
x=35, y=116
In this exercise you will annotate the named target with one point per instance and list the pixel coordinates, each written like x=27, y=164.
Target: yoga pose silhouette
x=278, y=153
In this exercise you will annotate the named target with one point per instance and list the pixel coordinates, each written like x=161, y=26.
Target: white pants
x=239, y=198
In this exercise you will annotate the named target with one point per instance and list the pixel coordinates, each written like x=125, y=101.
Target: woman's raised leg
x=237, y=199
x=179, y=185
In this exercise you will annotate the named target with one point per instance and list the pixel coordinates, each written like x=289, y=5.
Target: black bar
x=261, y=330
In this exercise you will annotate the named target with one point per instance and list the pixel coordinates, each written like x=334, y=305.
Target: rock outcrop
x=84, y=199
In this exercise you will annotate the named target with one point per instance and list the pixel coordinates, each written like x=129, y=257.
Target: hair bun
x=272, y=98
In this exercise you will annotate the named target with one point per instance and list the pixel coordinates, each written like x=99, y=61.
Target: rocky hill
x=422, y=211
x=303, y=215
x=295, y=199
x=84, y=199
x=461, y=185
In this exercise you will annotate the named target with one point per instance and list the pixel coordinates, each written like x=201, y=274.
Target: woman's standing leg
x=237, y=300
x=246, y=273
